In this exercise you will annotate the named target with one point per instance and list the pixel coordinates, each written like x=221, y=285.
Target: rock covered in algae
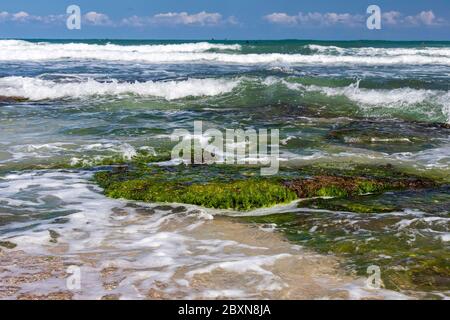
x=228, y=187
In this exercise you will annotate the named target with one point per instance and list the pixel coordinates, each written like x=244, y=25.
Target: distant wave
x=371, y=51
x=38, y=89
x=17, y=50
x=109, y=47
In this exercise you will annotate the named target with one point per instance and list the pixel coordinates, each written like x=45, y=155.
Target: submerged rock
x=228, y=187
x=407, y=257
x=389, y=136
x=337, y=186
x=11, y=99
x=238, y=195
x=8, y=244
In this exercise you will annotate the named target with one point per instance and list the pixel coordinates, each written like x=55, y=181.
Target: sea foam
x=15, y=50
x=39, y=89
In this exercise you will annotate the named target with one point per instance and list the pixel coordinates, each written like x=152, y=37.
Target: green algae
x=53, y=236
x=141, y=159
x=237, y=187
x=433, y=201
x=343, y=186
x=354, y=204
x=331, y=191
x=7, y=244
x=238, y=195
x=409, y=260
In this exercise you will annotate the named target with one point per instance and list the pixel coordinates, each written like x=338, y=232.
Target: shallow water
x=136, y=250
x=358, y=102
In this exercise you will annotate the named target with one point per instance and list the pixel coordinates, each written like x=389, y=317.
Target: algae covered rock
x=12, y=99
x=238, y=195
x=7, y=244
x=342, y=186
x=233, y=187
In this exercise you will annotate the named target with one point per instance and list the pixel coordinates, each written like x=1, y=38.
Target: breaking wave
x=18, y=50
x=39, y=89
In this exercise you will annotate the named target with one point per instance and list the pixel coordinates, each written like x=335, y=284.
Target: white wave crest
x=38, y=89
x=14, y=50
x=371, y=51
x=378, y=98
x=109, y=47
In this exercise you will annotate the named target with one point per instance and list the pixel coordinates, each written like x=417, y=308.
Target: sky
x=226, y=19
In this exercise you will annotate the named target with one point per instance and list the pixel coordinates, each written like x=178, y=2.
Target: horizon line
x=223, y=39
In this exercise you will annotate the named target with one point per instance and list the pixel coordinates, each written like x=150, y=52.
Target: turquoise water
x=71, y=102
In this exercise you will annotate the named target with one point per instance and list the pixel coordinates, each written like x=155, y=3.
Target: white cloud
x=424, y=18
x=90, y=18
x=4, y=16
x=232, y=20
x=391, y=17
x=281, y=18
x=20, y=16
x=97, y=19
x=315, y=19
x=135, y=21
x=25, y=17
x=201, y=18
x=181, y=18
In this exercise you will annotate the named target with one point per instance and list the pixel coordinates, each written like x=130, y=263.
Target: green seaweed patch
x=7, y=244
x=141, y=160
x=342, y=186
x=353, y=204
x=237, y=195
x=350, y=169
x=231, y=187
x=53, y=236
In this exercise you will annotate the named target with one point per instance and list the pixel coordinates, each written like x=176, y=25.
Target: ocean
x=67, y=107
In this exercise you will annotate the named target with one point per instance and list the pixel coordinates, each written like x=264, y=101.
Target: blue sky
x=227, y=19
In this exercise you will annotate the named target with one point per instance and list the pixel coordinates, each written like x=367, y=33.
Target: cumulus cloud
x=180, y=18
x=281, y=18
x=427, y=18
x=97, y=19
x=90, y=18
x=424, y=18
x=391, y=17
x=22, y=15
x=201, y=18
x=315, y=19
x=25, y=17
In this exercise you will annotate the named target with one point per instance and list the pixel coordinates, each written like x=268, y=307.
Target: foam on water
x=38, y=89
x=115, y=48
x=371, y=51
x=13, y=50
x=367, y=99
x=137, y=250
